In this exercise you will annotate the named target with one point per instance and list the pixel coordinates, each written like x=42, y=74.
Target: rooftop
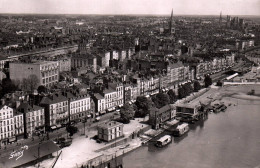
x=110, y=124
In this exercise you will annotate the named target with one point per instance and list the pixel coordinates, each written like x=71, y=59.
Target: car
x=59, y=140
x=98, y=141
x=97, y=119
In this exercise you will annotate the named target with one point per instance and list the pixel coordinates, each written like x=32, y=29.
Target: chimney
x=2, y=101
x=17, y=104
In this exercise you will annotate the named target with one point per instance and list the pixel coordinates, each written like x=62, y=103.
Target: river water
x=229, y=139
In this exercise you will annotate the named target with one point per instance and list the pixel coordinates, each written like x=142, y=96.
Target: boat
x=181, y=129
x=163, y=141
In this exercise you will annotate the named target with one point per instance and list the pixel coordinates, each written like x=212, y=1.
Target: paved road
x=221, y=75
x=55, y=134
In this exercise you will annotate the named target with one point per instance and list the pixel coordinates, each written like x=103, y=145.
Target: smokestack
x=2, y=101
x=17, y=104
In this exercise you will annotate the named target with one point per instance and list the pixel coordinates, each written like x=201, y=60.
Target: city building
x=100, y=102
x=110, y=96
x=190, y=110
x=47, y=72
x=158, y=116
x=64, y=64
x=7, y=124
x=33, y=118
x=79, y=106
x=110, y=131
x=56, y=110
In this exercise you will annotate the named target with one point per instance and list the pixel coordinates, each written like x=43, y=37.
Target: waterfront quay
x=211, y=142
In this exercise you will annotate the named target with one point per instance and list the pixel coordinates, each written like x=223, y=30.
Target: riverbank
x=85, y=151
x=224, y=140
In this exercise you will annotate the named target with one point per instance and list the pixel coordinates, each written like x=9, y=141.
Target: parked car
x=66, y=143
x=97, y=119
x=59, y=140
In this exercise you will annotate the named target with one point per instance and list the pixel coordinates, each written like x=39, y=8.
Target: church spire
x=170, y=22
x=220, y=17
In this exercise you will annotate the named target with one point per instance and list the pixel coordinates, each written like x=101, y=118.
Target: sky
x=153, y=7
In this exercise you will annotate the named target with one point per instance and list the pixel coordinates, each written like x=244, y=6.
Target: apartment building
x=110, y=131
x=56, y=110
x=110, y=96
x=118, y=86
x=33, y=116
x=47, y=72
x=7, y=124
x=79, y=106
x=100, y=103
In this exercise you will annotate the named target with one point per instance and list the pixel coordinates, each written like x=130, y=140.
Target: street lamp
x=31, y=128
x=1, y=132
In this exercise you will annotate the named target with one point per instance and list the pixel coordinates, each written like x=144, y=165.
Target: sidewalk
x=7, y=149
x=84, y=149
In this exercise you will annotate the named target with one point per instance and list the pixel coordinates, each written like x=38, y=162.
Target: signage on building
x=17, y=154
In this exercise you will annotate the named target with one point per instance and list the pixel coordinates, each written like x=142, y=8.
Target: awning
x=121, y=105
x=97, y=114
x=102, y=112
x=26, y=154
x=53, y=127
x=58, y=126
x=89, y=116
x=12, y=139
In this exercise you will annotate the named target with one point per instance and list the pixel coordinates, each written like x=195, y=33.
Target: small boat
x=163, y=141
x=181, y=129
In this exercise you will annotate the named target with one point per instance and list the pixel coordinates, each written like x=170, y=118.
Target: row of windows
x=78, y=110
x=6, y=114
x=7, y=122
x=81, y=103
x=18, y=118
x=6, y=129
x=108, y=96
x=50, y=79
x=65, y=103
x=7, y=135
x=35, y=113
x=46, y=67
x=49, y=73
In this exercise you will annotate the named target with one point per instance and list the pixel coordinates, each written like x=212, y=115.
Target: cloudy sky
x=207, y=7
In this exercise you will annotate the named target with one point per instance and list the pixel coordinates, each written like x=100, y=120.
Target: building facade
x=110, y=131
x=47, y=72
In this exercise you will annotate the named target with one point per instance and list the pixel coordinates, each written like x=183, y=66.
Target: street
x=6, y=150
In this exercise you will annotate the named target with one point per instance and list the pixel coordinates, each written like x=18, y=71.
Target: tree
x=30, y=83
x=42, y=89
x=143, y=105
x=24, y=84
x=172, y=96
x=71, y=130
x=196, y=86
x=127, y=113
x=181, y=93
x=160, y=100
x=187, y=89
x=7, y=86
x=207, y=81
x=33, y=82
x=219, y=83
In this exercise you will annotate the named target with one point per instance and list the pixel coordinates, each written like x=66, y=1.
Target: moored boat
x=163, y=141
x=181, y=129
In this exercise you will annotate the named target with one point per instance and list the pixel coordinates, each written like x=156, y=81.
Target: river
x=229, y=139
